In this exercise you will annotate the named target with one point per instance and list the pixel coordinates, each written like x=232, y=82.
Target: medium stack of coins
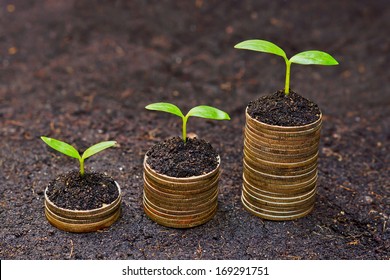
x=180, y=202
x=280, y=169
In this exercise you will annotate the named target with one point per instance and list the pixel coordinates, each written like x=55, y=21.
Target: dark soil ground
x=83, y=71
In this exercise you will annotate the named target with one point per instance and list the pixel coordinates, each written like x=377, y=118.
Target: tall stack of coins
x=180, y=202
x=280, y=169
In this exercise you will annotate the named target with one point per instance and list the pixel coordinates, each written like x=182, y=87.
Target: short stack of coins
x=83, y=220
x=180, y=202
x=280, y=169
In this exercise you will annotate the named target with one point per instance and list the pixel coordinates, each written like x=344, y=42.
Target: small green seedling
x=202, y=111
x=306, y=58
x=69, y=150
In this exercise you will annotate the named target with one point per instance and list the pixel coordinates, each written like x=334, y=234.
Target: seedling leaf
x=261, y=46
x=69, y=150
x=202, y=111
x=208, y=112
x=165, y=107
x=307, y=57
x=61, y=147
x=97, y=148
x=313, y=57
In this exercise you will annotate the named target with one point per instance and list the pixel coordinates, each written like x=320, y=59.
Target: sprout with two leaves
x=305, y=58
x=201, y=111
x=70, y=151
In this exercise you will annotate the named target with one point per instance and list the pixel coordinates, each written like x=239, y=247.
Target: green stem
x=287, y=83
x=185, y=129
x=82, y=167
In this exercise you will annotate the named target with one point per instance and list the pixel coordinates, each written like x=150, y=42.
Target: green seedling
x=202, y=111
x=69, y=150
x=306, y=58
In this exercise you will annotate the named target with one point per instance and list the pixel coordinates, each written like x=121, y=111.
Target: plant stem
x=82, y=167
x=185, y=129
x=287, y=83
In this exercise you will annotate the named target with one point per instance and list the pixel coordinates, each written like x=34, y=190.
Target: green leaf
x=165, y=107
x=208, y=112
x=261, y=46
x=97, y=148
x=314, y=57
x=61, y=147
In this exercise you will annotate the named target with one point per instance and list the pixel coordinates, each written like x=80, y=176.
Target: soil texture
x=175, y=158
x=75, y=192
x=284, y=110
x=85, y=70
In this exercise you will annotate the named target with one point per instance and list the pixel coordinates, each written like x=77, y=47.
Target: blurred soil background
x=83, y=71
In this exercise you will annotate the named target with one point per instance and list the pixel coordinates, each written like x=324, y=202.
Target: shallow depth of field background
x=82, y=71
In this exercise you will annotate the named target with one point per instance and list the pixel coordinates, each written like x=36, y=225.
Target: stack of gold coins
x=280, y=169
x=180, y=202
x=83, y=220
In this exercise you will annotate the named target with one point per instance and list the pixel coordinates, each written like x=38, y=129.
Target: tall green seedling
x=70, y=151
x=305, y=58
x=201, y=111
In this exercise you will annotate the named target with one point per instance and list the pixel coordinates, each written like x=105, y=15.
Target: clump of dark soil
x=175, y=158
x=282, y=110
x=91, y=191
